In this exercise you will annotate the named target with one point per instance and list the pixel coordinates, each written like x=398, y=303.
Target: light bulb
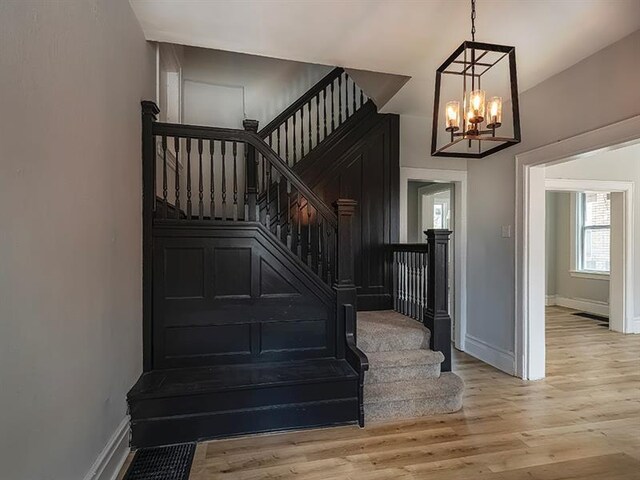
x=495, y=112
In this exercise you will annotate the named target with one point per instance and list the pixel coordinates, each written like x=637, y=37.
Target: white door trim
x=530, y=181
x=459, y=179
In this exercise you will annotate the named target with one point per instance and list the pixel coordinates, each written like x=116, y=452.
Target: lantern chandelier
x=472, y=126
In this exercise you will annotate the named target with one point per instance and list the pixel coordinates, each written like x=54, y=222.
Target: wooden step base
x=192, y=404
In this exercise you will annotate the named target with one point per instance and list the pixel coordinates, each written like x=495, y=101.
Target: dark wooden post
x=344, y=284
x=437, y=317
x=251, y=170
x=149, y=112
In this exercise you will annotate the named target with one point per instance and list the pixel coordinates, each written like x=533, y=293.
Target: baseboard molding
x=635, y=327
x=589, y=306
x=113, y=455
x=494, y=356
x=550, y=300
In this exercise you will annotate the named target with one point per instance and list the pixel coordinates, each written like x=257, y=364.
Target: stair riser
x=411, y=408
x=396, y=374
x=407, y=341
x=170, y=430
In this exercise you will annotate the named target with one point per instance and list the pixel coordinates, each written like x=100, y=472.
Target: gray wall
x=72, y=75
x=598, y=91
x=560, y=282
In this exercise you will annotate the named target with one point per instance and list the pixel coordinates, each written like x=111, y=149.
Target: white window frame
x=577, y=245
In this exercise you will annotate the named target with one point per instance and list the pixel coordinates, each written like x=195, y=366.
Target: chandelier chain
x=473, y=20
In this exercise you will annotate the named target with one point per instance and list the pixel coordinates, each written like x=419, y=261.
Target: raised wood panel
x=228, y=294
x=365, y=167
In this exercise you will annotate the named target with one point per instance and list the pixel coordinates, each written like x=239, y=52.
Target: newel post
x=437, y=317
x=149, y=112
x=251, y=172
x=344, y=284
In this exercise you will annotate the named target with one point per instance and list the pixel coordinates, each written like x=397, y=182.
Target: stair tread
x=390, y=331
x=448, y=384
x=198, y=380
x=404, y=358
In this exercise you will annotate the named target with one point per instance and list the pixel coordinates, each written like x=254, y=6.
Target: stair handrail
x=283, y=116
x=254, y=139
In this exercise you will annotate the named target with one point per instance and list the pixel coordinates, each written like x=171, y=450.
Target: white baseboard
x=589, y=306
x=494, y=356
x=550, y=300
x=635, y=327
x=113, y=455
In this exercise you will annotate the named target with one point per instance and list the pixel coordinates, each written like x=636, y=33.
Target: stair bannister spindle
x=235, y=181
x=354, y=96
x=309, y=248
x=278, y=139
x=302, y=131
x=320, y=251
x=310, y=141
x=295, y=160
x=317, y=119
x=223, y=151
x=200, y=183
x=176, y=147
x=289, y=218
x=361, y=97
x=286, y=142
x=333, y=108
x=299, y=226
x=340, y=100
x=278, y=211
x=212, y=201
x=189, y=206
x=268, y=204
x=324, y=108
x=164, y=176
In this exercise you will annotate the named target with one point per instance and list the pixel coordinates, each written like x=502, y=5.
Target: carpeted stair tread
x=404, y=358
x=390, y=331
x=447, y=384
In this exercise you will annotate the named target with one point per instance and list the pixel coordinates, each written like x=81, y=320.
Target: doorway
x=530, y=236
x=445, y=204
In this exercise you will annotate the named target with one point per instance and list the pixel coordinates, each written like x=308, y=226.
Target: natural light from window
x=595, y=231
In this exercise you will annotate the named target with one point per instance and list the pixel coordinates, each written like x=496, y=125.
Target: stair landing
x=404, y=378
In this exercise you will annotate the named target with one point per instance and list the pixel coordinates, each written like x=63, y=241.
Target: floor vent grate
x=603, y=321
x=172, y=462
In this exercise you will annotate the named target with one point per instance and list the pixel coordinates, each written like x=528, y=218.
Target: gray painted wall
x=598, y=91
x=72, y=75
x=560, y=282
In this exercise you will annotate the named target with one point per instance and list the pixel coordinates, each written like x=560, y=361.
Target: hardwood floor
x=581, y=422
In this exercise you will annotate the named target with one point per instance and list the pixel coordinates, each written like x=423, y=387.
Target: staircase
x=404, y=378
x=249, y=294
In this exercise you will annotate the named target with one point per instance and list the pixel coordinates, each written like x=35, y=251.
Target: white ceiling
x=407, y=37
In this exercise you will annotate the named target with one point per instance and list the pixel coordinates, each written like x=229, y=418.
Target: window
x=594, y=231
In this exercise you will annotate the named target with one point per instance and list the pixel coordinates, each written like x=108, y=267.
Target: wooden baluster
x=290, y=218
x=302, y=131
x=164, y=176
x=278, y=211
x=223, y=151
x=176, y=147
x=404, y=283
x=333, y=108
x=235, y=181
x=268, y=204
x=340, y=99
x=310, y=141
x=212, y=201
x=188, y=140
x=286, y=141
x=294, y=139
x=354, y=96
x=319, y=258
x=324, y=106
x=278, y=138
x=329, y=254
x=361, y=97
x=309, y=248
x=200, y=183
x=299, y=220
x=246, y=182
x=317, y=119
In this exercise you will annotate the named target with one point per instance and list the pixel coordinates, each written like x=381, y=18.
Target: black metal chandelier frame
x=472, y=65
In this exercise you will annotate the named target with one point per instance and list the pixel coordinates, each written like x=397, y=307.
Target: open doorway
x=604, y=166
x=432, y=198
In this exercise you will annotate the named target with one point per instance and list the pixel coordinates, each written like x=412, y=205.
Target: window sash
x=584, y=229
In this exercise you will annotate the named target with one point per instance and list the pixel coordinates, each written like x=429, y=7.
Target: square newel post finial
x=250, y=125
x=149, y=108
x=437, y=317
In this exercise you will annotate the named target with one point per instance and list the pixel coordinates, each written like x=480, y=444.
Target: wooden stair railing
x=303, y=125
x=420, y=287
